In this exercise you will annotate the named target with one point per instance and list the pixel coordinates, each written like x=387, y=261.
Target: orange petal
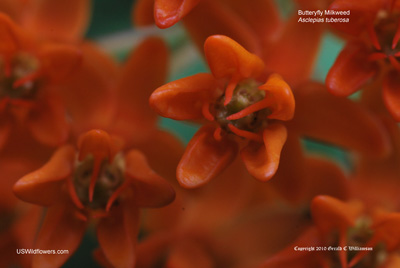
x=44, y=186
x=262, y=160
x=117, y=234
x=59, y=61
x=150, y=190
x=143, y=12
x=351, y=70
x=63, y=20
x=151, y=250
x=183, y=99
x=169, y=12
x=281, y=96
x=204, y=158
x=261, y=15
x=330, y=213
x=361, y=13
x=294, y=53
x=5, y=128
x=228, y=58
x=220, y=20
x=386, y=229
x=291, y=178
x=10, y=35
x=11, y=7
x=88, y=92
x=144, y=71
x=48, y=123
x=326, y=178
x=61, y=230
x=163, y=152
x=391, y=94
x=189, y=254
x=340, y=121
x=291, y=258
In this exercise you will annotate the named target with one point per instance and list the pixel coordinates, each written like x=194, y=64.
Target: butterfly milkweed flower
x=241, y=111
x=29, y=71
x=96, y=180
x=372, y=51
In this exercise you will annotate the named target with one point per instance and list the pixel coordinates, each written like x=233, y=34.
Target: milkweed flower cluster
x=83, y=155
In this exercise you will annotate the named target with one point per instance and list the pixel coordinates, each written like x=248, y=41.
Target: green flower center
x=109, y=178
x=21, y=65
x=245, y=94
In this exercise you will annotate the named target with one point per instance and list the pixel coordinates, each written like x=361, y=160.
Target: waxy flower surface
x=240, y=109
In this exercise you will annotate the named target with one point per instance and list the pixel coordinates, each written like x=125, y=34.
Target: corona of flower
x=95, y=180
x=240, y=109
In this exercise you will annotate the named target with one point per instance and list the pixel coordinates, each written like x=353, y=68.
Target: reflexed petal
x=351, y=70
x=153, y=248
x=90, y=88
x=220, y=20
x=391, y=94
x=291, y=258
x=291, y=178
x=262, y=160
x=5, y=128
x=59, y=61
x=169, y=12
x=9, y=35
x=144, y=71
x=183, y=99
x=61, y=20
x=326, y=178
x=150, y=190
x=340, y=121
x=11, y=8
x=47, y=122
x=189, y=254
x=60, y=230
x=294, y=54
x=143, y=12
x=329, y=213
x=281, y=96
x=204, y=158
x=386, y=229
x=261, y=15
x=361, y=13
x=117, y=234
x=163, y=151
x=43, y=186
x=227, y=58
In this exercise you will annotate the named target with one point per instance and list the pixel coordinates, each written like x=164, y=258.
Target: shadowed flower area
x=362, y=236
x=105, y=178
x=95, y=180
x=372, y=51
x=242, y=111
x=29, y=73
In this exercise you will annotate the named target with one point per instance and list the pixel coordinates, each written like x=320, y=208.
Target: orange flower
x=241, y=110
x=61, y=21
x=355, y=237
x=95, y=180
x=373, y=54
x=28, y=73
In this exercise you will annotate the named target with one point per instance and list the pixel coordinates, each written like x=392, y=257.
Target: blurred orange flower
x=29, y=71
x=95, y=180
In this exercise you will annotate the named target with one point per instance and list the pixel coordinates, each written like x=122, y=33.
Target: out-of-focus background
x=111, y=28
